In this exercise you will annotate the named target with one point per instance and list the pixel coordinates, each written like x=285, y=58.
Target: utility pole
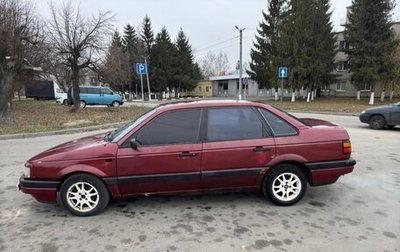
x=240, y=62
x=147, y=77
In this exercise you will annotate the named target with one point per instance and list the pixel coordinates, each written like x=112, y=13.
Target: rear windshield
x=292, y=116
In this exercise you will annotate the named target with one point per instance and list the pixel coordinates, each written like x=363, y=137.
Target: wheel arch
x=64, y=174
x=299, y=164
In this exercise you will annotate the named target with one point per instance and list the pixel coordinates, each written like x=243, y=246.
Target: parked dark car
x=198, y=146
x=382, y=117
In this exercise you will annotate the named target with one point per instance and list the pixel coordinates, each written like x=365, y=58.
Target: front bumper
x=364, y=117
x=41, y=190
x=323, y=173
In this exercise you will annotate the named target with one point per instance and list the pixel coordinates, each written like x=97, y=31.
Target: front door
x=168, y=158
x=237, y=148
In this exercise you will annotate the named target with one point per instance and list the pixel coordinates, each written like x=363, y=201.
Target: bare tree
x=78, y=41
x=214, y=64
x=20, y=44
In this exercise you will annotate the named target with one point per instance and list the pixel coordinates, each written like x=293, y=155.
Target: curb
x=60, y=132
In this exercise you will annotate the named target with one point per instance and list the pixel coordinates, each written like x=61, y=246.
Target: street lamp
x=240, y=62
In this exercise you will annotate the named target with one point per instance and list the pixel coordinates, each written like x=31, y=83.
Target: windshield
x=116, y=135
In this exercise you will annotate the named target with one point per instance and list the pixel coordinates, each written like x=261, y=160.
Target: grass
x=334, y=105
x=31, y=116
x=40, y=116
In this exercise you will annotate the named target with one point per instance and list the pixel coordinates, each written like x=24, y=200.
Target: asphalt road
x=361, y=212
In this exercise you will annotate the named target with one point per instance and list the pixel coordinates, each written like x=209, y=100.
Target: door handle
x=261, y=149
x=187, y=154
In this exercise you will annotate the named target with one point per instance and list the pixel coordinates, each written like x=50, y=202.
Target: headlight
x=362, y=112
x=27, y=171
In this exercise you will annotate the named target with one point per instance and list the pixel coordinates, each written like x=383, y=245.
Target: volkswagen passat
x=198, y=146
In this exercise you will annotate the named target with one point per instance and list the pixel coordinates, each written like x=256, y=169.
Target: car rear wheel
x=84, y=195
x=116, y=104
x=82, y=104
x=65, y=102
x=285, y=185
x=377, y=122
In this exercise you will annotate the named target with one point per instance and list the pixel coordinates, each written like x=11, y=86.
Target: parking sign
x=141, y=68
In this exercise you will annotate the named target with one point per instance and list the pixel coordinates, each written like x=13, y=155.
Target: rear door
x=168, y=159
x=236, y=150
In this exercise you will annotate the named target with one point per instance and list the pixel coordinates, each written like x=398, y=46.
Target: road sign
x=141, y=68
x=283, y=72
x=245, y=81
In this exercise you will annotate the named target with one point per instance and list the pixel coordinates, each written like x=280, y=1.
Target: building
x=202, y=89
x=228, y=85
x=343, y=86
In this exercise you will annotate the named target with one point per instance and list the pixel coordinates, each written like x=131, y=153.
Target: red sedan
x=195, y=146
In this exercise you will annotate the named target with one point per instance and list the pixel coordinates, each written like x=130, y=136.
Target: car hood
x=379, y=108
x=316, y=122
x=83, y=148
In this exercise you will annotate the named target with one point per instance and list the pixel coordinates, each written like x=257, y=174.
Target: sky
x=209, y=24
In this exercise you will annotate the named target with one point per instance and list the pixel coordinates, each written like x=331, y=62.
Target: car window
x=93, y=90
x=239, y=123
x=278, y=126
x=106, y=91
x=177, y=127
x=83, y=90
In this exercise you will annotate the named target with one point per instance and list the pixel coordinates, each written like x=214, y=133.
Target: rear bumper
x=323, y=173
x=43, y=191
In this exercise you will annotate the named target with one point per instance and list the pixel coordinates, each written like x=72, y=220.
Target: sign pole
x=281, y=90
x=147, y=77
x=141, y=84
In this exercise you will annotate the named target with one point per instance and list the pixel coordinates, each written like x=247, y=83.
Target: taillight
x=346, y=147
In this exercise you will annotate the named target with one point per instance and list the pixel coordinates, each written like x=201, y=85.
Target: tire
x=285, y=185
x=377, y=122
x=82, y=104
x=115, y=104
x=75, y=192
x=65, y=102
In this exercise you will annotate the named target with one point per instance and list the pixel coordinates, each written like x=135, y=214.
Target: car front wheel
x=116, y=104
x=377, y=122
x=84, y=195
x=285, y=185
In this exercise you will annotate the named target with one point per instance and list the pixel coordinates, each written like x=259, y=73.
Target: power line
x=215, y=44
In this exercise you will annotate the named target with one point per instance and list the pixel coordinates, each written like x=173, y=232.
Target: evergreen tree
x=372, y=42
x=131, y=45
x=322, y=63
x=147, y=34
x=163, y=61
x=265, y=52
x=185, y=67
x=115, y=71
x=296, y=43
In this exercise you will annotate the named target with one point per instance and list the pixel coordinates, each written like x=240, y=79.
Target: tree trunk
x=371, y=99
x=75, y=89
x=308, y=96
x=358, y=95
x=391, y=95
x=382, y=96
x=5, y=97
x=293, y=96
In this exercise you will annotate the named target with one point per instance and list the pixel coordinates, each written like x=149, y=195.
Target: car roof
x=206, y=104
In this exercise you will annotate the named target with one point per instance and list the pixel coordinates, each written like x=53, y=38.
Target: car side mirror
x=111, y=93
x=134, y=144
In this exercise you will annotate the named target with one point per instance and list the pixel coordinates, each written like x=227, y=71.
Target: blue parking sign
x=141, y=68
x=283, y=72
